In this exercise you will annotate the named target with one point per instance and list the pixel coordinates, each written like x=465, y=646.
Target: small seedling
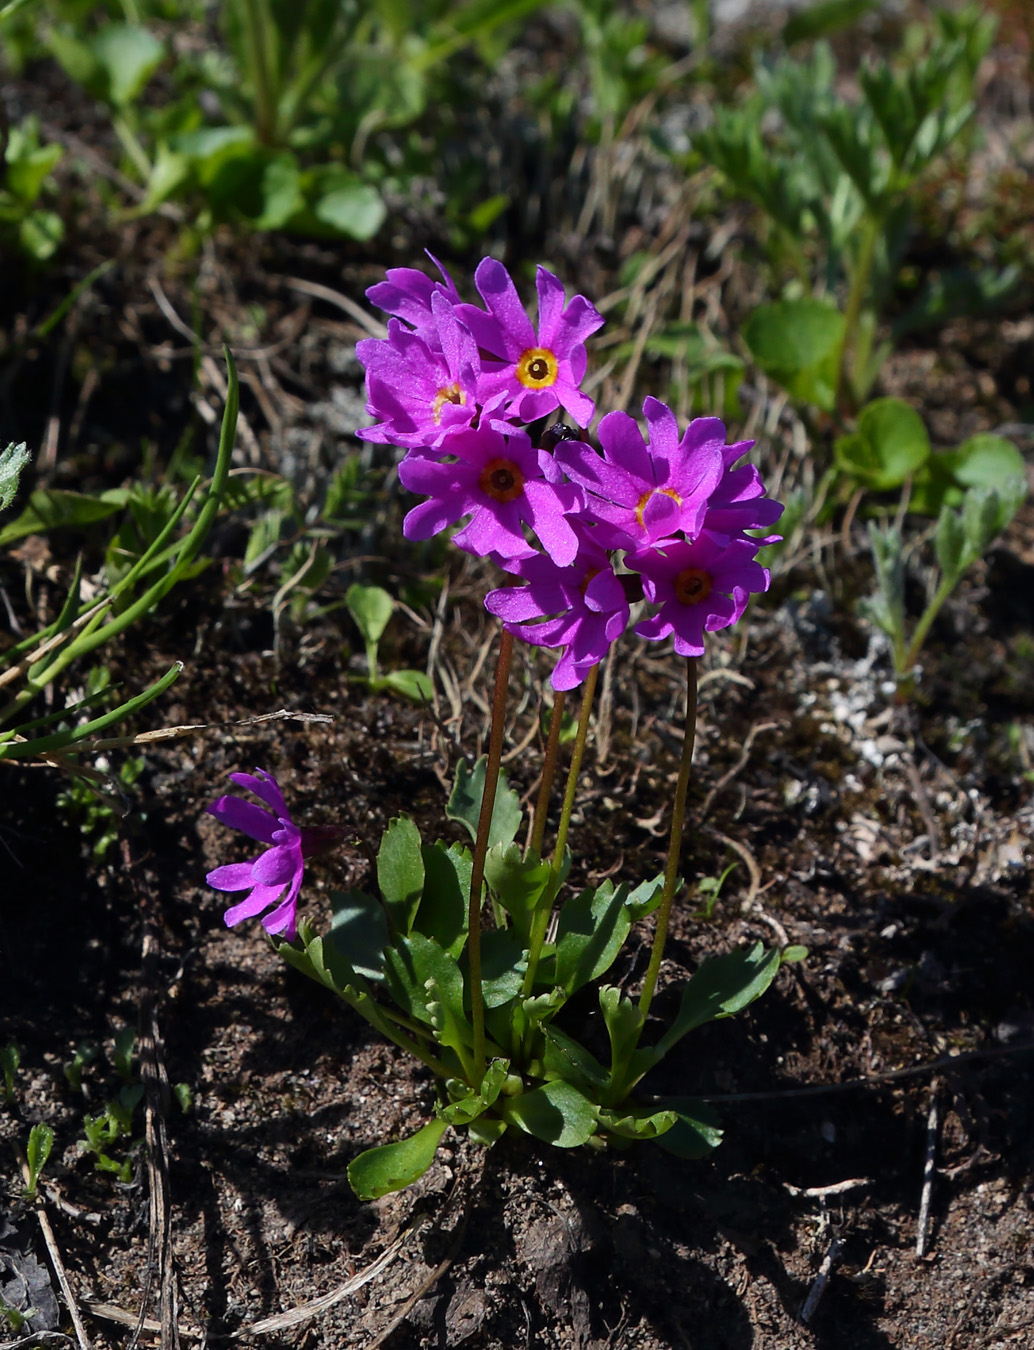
x=372, y=607
x=41, y=1141
x=84, y=1055
x=10, y=1058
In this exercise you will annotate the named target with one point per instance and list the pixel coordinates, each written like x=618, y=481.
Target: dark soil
x=893, y=842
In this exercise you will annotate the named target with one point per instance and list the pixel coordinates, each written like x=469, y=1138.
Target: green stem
x=540, y=923
x=905, y=662
x=257, y=30
x=675, y=846
x=548, y=773
x=855, y=300
x=477, y=874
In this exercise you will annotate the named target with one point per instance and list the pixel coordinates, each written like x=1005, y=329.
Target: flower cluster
x=458, y=387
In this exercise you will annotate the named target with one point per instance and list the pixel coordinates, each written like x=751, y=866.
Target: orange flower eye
x=693, y=585
x=537, y=368
x=449, y=393
x=502, y=480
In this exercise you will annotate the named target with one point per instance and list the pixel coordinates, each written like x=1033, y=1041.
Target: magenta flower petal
x=232, y=876
x=244, y=816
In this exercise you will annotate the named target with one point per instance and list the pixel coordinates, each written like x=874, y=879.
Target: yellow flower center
x=641, y=506
x=537, y=368
x=692, y=585
x=449, y=393
x=501, y=479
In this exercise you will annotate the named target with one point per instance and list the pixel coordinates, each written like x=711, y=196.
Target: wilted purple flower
x=643, y=493
x=739, y=503
x=700, y=587
x=581, y=607
x=408, y=294
x=274, y=877
x=420, y=393
x=502, y=482
x=537, y=370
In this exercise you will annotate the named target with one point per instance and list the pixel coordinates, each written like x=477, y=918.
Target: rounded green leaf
x=356, y=210
x=391, y=1167
x=890, y=445
x=556, y=1113
x=985, y=461
x=797, y=342
x=371, y=607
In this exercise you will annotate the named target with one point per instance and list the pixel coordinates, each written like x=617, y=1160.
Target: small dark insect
x=559, y=431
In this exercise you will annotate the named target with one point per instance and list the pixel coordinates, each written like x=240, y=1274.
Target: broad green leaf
x=590, y=932
x=984, y=461
x=798, y=343
x=642, y=1123
x=464, y=803
x=556, y=1112
x=518, y=883
x=400, y=872
x=325, y=963
x=391, y=1167
x=624, y=1023
x=411, y=684
x=890, y=445
x=443, y=906
x=421, y=976
x=504, y=961
x=359, y=932
x=372, y=608
x=646, y=897
x=357, y=211
x=722, y=986
x=40, y=233
x=129, y=57
x=209, y=149
x=56, y=509
x=26, y=175
x=567, y=1059
x=696, y=1131
x=12, y=463
x=280, y=190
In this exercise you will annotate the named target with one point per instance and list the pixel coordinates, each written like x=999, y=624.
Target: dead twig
x=820, y=1192
x=929, y=1169
x=818, y=1287
x=58, y=1265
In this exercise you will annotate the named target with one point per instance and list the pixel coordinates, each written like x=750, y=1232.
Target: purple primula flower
x=581, y=607
x=419, y=393
x=700, y=587
x=274, y=878
x=739, y=503
x=537, y=370
x=639, y=493
x=408, y=294
x=502, y=483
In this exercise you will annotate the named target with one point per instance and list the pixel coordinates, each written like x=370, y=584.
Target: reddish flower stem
x=477, y=875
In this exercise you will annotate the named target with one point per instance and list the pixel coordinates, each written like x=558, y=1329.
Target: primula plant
x=466, y=958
